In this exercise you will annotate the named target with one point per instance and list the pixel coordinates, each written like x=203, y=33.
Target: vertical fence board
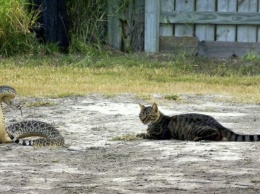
x=243, y=32
x=258, y=28
x=226, y=32
x=137, y=33
x=205, y=32
x=114, y=27
x=152, y=21
x=166, y=6
x=247, y=33
x=184, y=29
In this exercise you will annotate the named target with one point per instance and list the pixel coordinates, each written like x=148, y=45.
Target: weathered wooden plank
x=230, y=18
x=258, y=34
x=114, y=27
x=219, y=49
x=246, y=33
x=166, y=6
x=137, y=35
x=152, y=15
x=205, y=31
x=226, y=32
x=258, y=28
x=184, y=29
x=177, y=44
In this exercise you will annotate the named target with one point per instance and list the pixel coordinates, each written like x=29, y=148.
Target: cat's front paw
x=142, y=135
x=197, y=139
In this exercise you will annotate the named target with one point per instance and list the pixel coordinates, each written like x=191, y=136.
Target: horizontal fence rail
x=229, y=18
x=168, y=23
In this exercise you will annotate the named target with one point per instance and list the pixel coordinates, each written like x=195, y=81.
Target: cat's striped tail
x=232, y=136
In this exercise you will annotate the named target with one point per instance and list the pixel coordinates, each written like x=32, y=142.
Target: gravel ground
x=92, y=162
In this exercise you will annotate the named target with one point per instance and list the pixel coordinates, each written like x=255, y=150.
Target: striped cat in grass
x=194, y=127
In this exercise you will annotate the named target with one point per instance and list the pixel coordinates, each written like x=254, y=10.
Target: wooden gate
x=213, y=28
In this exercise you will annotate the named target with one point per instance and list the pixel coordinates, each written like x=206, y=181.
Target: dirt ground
x=93, y=163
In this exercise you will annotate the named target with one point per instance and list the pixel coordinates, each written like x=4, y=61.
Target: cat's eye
x=143, y=114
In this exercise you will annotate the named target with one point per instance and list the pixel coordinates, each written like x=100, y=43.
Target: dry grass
x=15, y=27
x=65, y=80
x=127, y=137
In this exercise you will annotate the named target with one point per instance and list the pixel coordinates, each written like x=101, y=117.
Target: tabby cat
x=193, y=127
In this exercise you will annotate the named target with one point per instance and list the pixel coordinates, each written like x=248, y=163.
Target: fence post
x=137, y=36
x=152, y=16
x=114, y=27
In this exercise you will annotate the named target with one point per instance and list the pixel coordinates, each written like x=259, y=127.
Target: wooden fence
x=214, y=28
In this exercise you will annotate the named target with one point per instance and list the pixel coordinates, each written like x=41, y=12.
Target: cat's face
x=149, y=114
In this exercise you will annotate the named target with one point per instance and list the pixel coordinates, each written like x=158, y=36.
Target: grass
x=88, y=24
x=39, y=104
x=66, y=75
x=127, y=137
x=15, y=27
x=171, y=97
x=255, y=181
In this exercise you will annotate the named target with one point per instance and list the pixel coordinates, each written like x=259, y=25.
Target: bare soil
x=93, y=163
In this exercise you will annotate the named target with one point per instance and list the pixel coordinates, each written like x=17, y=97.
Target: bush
x=87, y=24
x=15, y=25
x=87, y=27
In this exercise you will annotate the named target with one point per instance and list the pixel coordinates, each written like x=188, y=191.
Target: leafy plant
x=88, y=24
x=39, y=104
x=171, y=97
x=127, y=137
x=15, y=25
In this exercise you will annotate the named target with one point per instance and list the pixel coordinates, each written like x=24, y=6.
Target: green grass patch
x=16, y=23
x=39, y=104
x=88, y=24
x=76, y=75
x=127, y=137
x=171, y=97
x=255, y=181
x=144, y=96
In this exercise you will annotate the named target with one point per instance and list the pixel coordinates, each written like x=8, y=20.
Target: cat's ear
x=155, y=107
x=141, y=106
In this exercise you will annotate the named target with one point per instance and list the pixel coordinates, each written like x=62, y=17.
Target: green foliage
x=127, y=137
x=15, y=24
x=88, y=24
x=39, y=104
x=171, y=97
x=88, y=28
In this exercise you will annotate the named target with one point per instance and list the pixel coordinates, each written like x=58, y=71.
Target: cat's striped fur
x=194, y=127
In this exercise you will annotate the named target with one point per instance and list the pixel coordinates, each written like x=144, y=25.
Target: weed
x=66, y=94
x=144, y=96
x=15, y=24
x=88, y=25
x=255, y=181
x=98, y=128
x=171, y=97
x=39, y=103
x=209, y=109
x=114, y=156
x=107, y=96
x=127, y=137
